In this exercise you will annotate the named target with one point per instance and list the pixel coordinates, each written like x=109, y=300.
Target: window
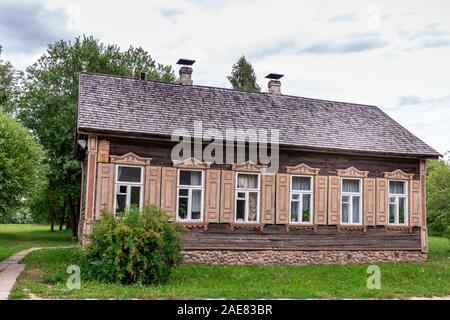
x=190, y=195
x=247, y=197
x=301, y=199
x=398, y=208
x=128, y=187
x=351, y=204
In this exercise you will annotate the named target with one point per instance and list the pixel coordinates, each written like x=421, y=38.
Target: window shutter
x=227, y=201
x=334, y=195
x=369, y=201
x=212, y=195
x=267, y=199
x=152, y=186
x=320, y=200
x=415, y=203
x=105, y=188
x=169, y=192
x=381, y=201
x=282, y=202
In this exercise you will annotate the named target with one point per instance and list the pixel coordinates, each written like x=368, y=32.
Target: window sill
x=247, y=226
x=301, y=226
x=192, y=224
x=394, y=228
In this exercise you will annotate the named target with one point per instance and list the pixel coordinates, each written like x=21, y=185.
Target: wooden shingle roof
x=112, y=104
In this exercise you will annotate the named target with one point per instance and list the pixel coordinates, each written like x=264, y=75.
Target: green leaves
x=243, y=76
x=20, y=161
x=136, y=247
x=438, y=197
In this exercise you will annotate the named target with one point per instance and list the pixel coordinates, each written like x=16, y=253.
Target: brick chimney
x=186, y=71
x=274, y=83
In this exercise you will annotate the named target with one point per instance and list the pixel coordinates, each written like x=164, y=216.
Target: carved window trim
x=191, y=163
x=302, y=169
x=352, y=172
x=130, y=158
x=248, y=166
x=398, y=175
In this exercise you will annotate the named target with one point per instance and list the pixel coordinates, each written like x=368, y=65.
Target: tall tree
x=9, y=85
x=243, y=76
x=49, y=106
x=20, y=163
x=438, y=197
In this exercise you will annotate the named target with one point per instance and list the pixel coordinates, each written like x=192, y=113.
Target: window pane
x=355, y=207
x=306, y=210
x=241, y=195
x=350, y=185
x=392, y=210
x=183, y=192
x=397, y=187
x=120, y=202
x=190, y=178
x=182, y=208
x=344, y=212
x=129, y=174
x=301, y=183
x=196, y=204
x=135, y=197
x=401, y=210
x=295, y=196
x=252, y=206
x=122, y=189
x=240, y=210
x=345, y=199
x=294, y=211
x=247, y=181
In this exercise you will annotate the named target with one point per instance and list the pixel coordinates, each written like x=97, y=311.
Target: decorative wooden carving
x=352, y=172
x=192, y=225
x=103, y=151
x=248, y=166
x=398, y=174
x=341, y=228
x=191, y=163
x=391, y=228
x=302, y=169
x=130, y=158
x=312, y=227
x=247, y=226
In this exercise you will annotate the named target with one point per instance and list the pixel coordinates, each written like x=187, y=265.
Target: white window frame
x=397, y=196
x=128, y=185
x=246, y=191
x=300, y=200
x=189, y=196
x=350, y=203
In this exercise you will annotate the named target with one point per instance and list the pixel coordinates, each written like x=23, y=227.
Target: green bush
x=438, y=198
x=135, y=247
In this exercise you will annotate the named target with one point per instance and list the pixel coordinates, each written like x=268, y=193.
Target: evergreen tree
x=243, y=76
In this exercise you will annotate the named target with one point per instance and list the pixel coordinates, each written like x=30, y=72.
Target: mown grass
x=45, y=277
x=17, y=237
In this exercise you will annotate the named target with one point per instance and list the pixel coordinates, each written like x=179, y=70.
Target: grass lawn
x=17, y=237
x=45, y=277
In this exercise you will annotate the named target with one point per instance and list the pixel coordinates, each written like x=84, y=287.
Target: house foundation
x=272, y=257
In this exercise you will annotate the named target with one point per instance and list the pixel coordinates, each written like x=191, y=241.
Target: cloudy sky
x=393, y=54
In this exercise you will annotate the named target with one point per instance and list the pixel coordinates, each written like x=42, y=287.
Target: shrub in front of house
x=133, y=247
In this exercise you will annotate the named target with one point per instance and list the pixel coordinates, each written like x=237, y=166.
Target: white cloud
x=359, y=51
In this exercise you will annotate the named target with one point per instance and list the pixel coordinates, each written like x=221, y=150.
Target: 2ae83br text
x=226, y=309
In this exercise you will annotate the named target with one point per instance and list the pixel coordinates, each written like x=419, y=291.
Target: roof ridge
x=200, y=86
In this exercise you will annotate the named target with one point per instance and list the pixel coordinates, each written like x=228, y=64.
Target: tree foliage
x=20, y=163
x=48, y=106
x=438, y=197
x=9, y=85
x=243, y=76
